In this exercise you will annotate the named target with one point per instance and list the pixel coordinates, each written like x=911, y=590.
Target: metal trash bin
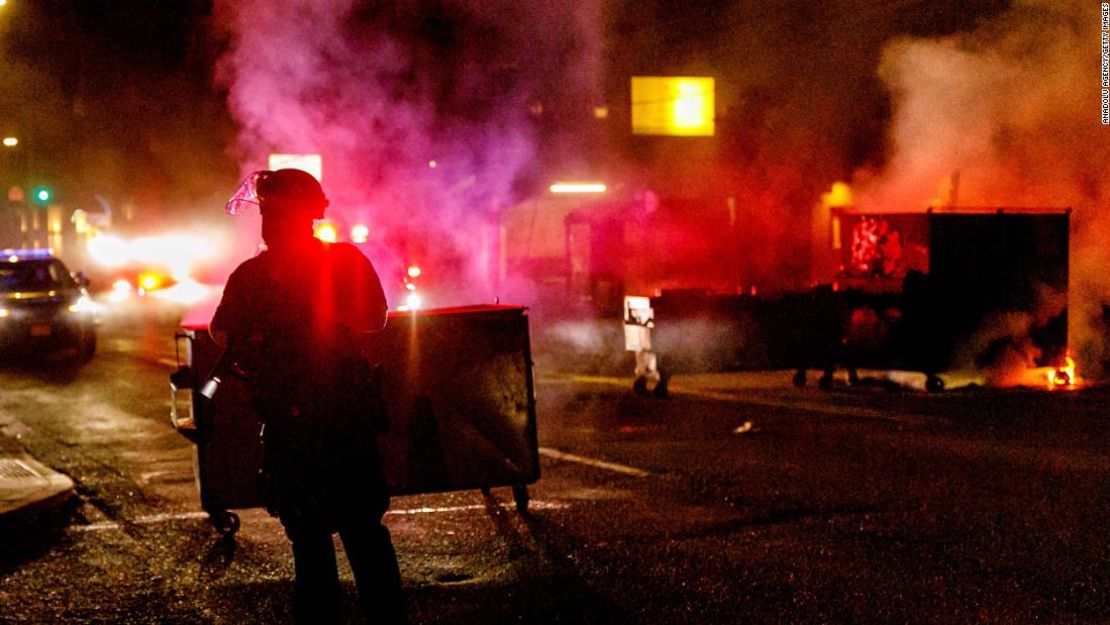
x=458, y=388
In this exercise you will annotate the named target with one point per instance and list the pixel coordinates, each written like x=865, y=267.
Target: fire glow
x=1052, y=378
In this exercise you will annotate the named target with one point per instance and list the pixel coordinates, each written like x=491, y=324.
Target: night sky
x=116, y=99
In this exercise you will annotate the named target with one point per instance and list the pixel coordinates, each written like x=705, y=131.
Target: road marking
x=790, y=404
x=600, y=464
x=150, y=519
x=532, y=505
x=600, y=379
x=808, y=406
x=146, y=477
x=153, y=519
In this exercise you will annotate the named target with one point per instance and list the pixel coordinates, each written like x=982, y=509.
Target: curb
x=28, y=489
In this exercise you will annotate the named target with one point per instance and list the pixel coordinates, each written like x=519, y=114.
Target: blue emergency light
x=15, y=256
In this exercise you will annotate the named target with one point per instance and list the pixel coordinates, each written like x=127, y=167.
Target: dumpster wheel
x=662, y=388
x=826, y=381
x=520, y=496
x=226, y=523
x=799, y=379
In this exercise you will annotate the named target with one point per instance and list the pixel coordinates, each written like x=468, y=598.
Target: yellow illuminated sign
x=682, y=106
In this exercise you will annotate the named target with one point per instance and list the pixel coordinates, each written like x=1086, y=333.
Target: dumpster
x=457, y=385
x=924, y=292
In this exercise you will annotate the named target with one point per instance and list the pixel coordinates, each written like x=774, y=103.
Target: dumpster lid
x=197, y=325
x=455, y=310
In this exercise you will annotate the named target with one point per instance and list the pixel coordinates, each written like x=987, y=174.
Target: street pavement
x=741, y=499
x=29, y=489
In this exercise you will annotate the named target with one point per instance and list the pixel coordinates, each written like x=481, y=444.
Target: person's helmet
x=289, y=186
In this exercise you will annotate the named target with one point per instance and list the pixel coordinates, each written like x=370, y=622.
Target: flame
x=1052, y=378
x=1064, y=376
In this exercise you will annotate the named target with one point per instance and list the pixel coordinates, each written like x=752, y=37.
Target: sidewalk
x=28, y=488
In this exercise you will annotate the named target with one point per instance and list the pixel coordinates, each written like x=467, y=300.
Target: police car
x=44, y=307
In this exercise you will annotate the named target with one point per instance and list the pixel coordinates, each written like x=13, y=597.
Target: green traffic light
x=42, y=195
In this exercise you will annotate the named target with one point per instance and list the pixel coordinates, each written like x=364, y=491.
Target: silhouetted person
x=294, y=319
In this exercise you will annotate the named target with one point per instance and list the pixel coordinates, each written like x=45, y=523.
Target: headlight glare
x=84, y=304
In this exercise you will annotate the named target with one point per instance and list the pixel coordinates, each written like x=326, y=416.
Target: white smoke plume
x=1012, y=109
x=423, y=110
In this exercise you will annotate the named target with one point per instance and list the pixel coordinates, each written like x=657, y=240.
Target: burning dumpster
x=937, y=290
x=924, y=292
x=457, y=384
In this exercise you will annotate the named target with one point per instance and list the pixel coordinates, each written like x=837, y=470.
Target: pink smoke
x=421, y=112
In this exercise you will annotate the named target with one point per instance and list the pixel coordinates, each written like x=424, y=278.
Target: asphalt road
x=738, y=500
